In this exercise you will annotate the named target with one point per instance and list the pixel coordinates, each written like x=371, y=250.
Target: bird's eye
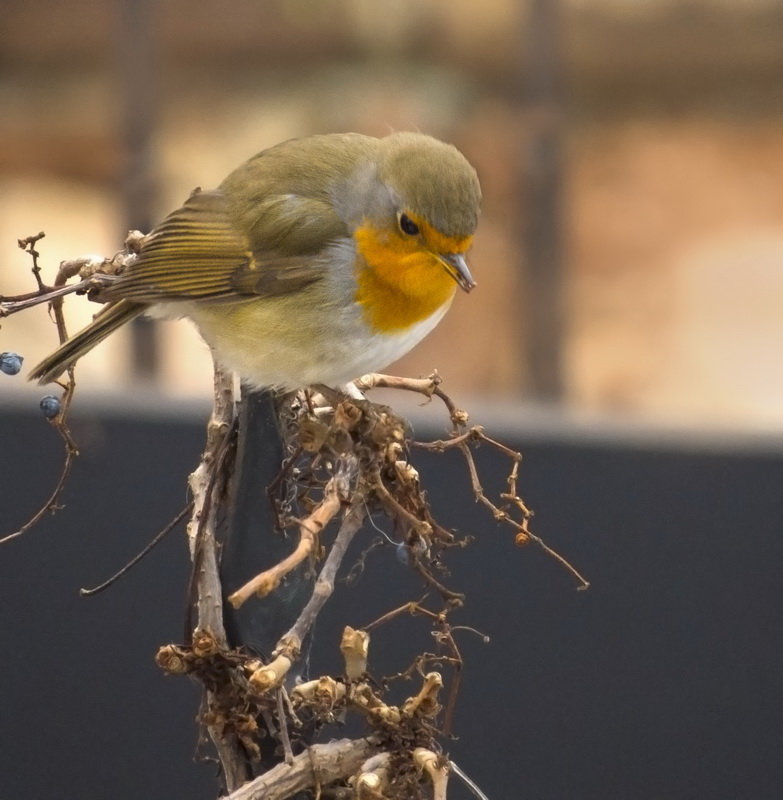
x=407, y=225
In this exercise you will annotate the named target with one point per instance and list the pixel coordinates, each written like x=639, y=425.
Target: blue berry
x=50, y=405
x=10, y=363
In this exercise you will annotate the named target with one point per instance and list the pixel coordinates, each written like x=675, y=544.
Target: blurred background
x=625, y=335
x=630, y=153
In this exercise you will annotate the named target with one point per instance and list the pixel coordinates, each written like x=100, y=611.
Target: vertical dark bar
x=138, y=92
x=248, y=535
x=543, y=173
x=250, y=543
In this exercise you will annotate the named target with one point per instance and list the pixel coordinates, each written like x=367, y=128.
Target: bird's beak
x=457, y=267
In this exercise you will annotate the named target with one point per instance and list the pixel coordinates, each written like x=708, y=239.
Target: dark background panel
x=660, y=681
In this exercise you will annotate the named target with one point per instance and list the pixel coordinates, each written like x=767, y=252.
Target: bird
x=316, y=261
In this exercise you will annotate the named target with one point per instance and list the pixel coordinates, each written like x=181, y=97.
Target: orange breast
x=401, y=282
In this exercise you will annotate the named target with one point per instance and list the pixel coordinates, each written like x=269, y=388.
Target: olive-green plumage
x=416, y=174
x=268, y=262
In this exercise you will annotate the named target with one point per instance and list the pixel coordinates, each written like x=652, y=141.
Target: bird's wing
x=198, y=253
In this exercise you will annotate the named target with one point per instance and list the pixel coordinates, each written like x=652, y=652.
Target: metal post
x=542, y=178
x=138, y=90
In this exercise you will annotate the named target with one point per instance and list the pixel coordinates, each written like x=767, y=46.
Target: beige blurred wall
x=673, y=154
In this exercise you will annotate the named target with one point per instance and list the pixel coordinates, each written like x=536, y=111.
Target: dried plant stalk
x=345, y=459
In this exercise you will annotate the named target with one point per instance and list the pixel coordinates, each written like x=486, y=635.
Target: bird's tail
x=71, y=351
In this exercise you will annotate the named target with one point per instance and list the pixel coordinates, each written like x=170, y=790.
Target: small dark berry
x=10, y=363
x=50, y=405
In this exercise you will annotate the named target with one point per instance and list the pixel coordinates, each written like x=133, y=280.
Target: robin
x=316, y=261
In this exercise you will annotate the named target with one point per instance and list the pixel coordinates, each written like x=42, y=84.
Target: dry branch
x=346, y=458
x=309, y=530
x=289, y=647
x=209, y=634
x=320, y=764
x=59, y=422
x=201, y=528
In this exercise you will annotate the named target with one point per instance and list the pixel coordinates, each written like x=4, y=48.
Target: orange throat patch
x=400, y=282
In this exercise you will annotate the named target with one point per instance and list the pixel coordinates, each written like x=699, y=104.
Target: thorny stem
x=95, y=273
x=461, y=439
x=524, y=534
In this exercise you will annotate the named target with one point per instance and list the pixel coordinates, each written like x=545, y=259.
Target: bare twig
x=201, y=528
x=429, y=387
x=376, y=380
x=289, y=646
x=440, y=445
x=201, y=534
x=395, y=509
x=52, y=505
x=28, y=245
x=476, y=434
x=95, y=272
x=411, y=608
x=453, y=598
x=309, y=530
x=135, y=560
x=324, y=585
x=288, y=754
x=12, y=305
